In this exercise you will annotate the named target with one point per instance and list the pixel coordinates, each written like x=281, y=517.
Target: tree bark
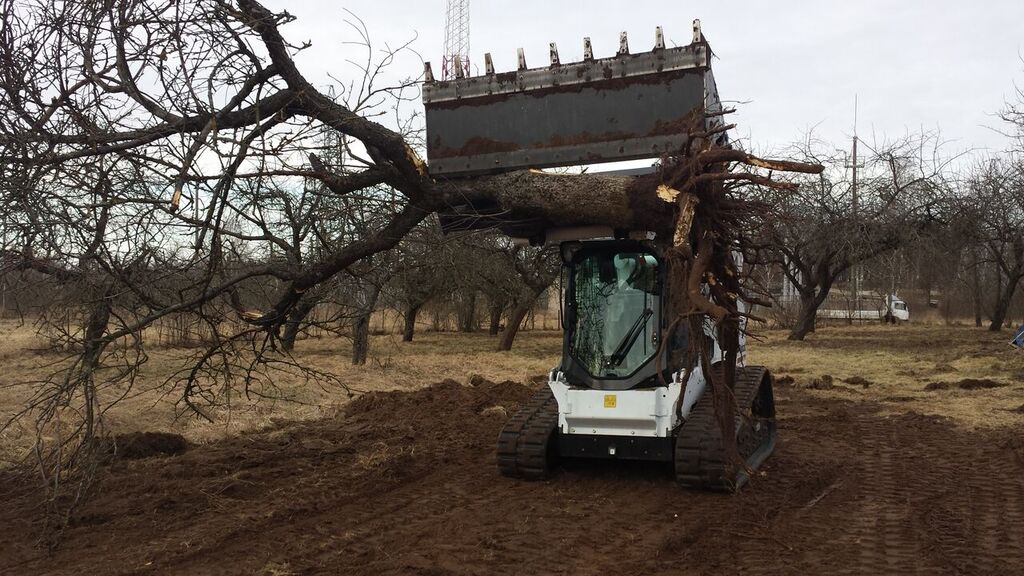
x=360, y=339
x=515, y=319
x=294, y=323
x=361, y=326
x=595, y=199
x=467, y=314
x=808, y=315
x=1002, y=304
x=976, y=289
x=495, y=311
x=805, y=319
x=411, y=311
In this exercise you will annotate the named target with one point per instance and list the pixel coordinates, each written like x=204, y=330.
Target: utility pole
x=855, y=158
x=855, y=270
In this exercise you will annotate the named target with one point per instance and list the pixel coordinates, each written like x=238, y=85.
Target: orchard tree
x=157, y=160
x=818, y=232
x=996, y=201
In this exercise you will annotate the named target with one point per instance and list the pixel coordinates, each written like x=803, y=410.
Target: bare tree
x=421, y=273
x=817, y=233
x=157, y=160
x=996, y=201
x=163, y=158
x=536, y=270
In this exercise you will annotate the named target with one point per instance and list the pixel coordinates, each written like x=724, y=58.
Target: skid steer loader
x=613, y=395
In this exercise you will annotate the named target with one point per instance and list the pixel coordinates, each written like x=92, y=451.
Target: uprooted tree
x=156, y=155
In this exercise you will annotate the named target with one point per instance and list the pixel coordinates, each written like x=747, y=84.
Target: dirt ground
x=866, y=479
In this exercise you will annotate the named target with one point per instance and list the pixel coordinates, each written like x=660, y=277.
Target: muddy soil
x=405, y=483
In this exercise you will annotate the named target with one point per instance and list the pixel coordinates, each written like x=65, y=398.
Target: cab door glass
x=616, y=301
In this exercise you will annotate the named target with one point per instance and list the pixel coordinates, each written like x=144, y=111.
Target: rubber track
x=524, y=449
x=700, y=459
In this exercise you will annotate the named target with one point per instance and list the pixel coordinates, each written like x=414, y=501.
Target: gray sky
x=913, y=64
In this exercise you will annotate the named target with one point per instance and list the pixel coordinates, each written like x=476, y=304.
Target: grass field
x=899, y=452
x=897, y=363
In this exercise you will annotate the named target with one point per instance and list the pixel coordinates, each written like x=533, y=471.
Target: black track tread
x=700, y=459
x=524, y=443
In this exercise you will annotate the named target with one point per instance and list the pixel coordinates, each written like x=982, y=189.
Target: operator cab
x=613, y=319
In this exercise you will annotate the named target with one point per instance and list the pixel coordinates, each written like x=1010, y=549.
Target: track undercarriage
x=528, y=443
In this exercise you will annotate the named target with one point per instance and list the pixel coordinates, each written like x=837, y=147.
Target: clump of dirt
x=980, y=384
x=784, y=381
x=859, y=381
x=1015, y=445
x=137, y=445
x=825, y=382
x=917, y=420
x=899, y=399
x=797, y=370
x=538, y=379
x=496, y=409
x=945, y=367
x=447, y=397
x=967, y=384
x=1018, y=409
x=840, y=412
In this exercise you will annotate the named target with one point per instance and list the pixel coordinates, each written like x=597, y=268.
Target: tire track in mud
x=994, y=504
x=408, y=484
x=943, y=506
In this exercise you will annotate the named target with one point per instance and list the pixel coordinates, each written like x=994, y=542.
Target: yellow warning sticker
x=609, y=400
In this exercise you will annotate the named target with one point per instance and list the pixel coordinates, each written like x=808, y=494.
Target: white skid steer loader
x=614, y=395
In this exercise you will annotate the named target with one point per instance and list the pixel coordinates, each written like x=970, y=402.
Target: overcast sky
x=913, y=64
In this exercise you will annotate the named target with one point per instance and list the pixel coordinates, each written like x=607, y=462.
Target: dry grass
x=431, y=357
x=899, y=361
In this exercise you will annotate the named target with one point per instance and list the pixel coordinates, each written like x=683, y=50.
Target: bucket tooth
x=696, y=31
x=623, y=44
x=488, y=64
x=521, y=55
x=428, y=74
x=554, y=54
x=459, y=72
x=659, y=39
x=588, y=50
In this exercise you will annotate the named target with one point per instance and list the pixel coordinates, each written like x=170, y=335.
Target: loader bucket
x=626, y=107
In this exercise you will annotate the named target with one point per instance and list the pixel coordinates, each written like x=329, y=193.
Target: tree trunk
x=361, y=326
x=808, y=315
x=594, y=199
x=467, y=315
x=976, y=291
x=360, y=339
x=410, y=322
x=1002, y=305
x=586, y=199
x=805, y=319
x=515, y=319
x=495, y=319
x=294, y=323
